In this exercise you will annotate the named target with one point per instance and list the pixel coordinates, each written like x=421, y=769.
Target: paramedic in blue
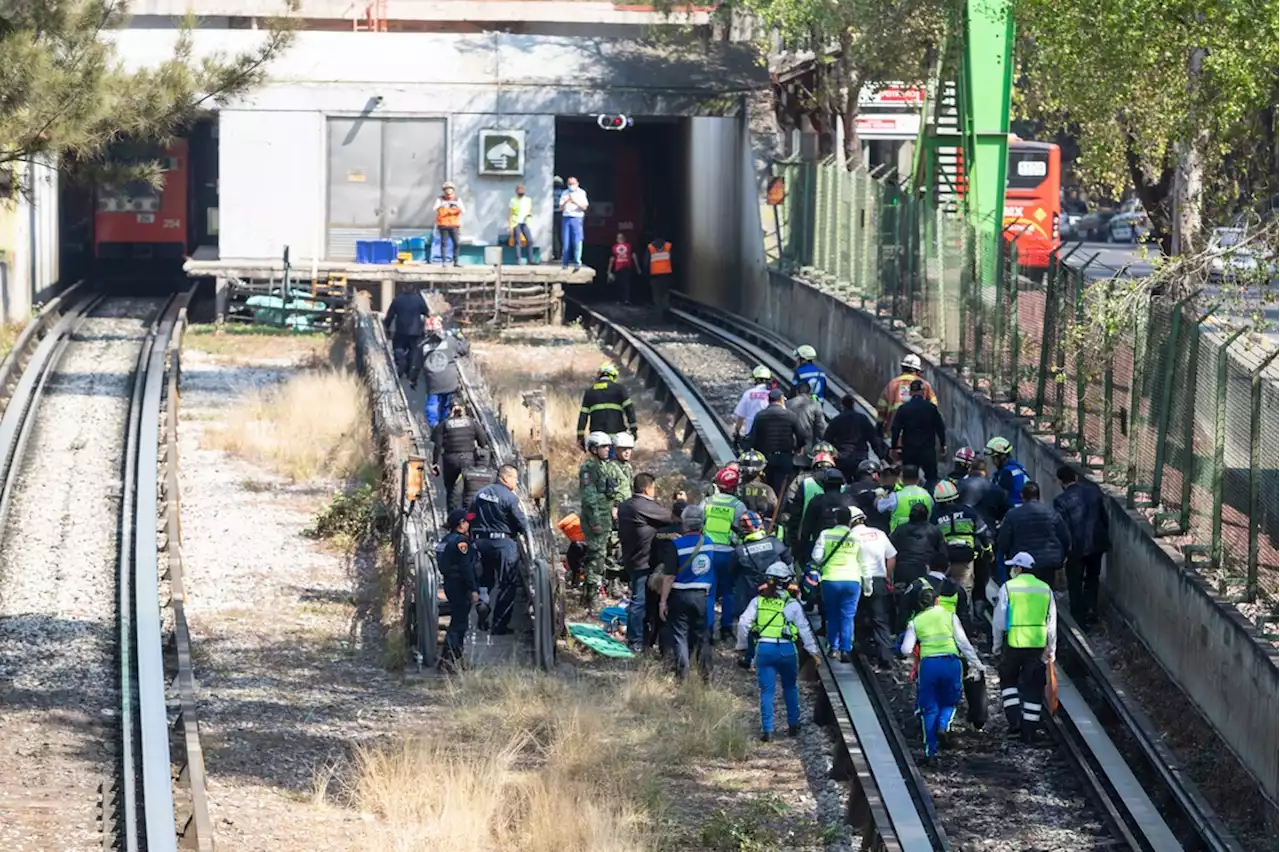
x=942, y=641
x=808, y=371
x=688, y=579
x=498, y=523
x=457, y=561
x=776, y=620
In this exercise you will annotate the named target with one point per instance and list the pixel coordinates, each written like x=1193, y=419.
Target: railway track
x=1096, y=788
x=94, y=641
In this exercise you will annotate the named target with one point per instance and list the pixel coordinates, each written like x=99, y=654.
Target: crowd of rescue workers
x=848, y=519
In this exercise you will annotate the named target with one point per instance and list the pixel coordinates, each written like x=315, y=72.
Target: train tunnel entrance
x=637, y=182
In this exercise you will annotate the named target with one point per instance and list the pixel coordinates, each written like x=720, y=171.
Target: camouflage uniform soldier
x=623, y=445
x=598, y=486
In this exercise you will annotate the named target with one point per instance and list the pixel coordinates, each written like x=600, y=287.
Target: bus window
x=1027, y=169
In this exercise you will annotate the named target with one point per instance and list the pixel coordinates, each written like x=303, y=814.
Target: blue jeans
x=571, y=240
x=438, y=407
x=777, y=660
x=840, y=604
x=721, y=590
x=516, y=233
x=635, y=611
x=937, y=694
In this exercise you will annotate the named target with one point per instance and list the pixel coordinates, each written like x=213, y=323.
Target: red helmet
x=826, y=459
x=965, y=455
x=727, y=478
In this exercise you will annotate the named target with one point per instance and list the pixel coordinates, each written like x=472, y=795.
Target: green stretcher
x=602, y=643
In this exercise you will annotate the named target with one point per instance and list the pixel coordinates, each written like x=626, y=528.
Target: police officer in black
x=777, y=434
x=862, y=491
x=408, y=312
x=821, y=511
x=455, y=440
x=498, y=522
x=457, y=560
x=476, y=476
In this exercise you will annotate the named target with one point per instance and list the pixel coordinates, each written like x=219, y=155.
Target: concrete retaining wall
x=1207, y=646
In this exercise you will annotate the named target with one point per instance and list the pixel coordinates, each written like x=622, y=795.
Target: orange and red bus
x=1032, y=201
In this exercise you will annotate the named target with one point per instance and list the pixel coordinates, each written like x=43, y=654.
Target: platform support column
x=221, y=291
x=387, y=294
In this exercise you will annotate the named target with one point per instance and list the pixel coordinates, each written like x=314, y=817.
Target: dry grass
x=316, y=425
x=545, y=764
x=254, y=344
x=9, y=334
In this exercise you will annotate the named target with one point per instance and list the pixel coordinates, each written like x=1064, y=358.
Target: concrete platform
x=543, y=273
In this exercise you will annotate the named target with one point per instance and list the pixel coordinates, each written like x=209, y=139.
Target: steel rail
x=158, y=826
x=536, y=542
x=195, y=827
x=1112, y=782
x=887, y=800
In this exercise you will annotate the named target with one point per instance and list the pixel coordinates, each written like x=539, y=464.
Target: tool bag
x=975, y=699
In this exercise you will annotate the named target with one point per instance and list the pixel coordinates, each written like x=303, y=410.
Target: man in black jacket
x=809, y=412
x=408, y=311
x=454, y=443
x=820, y=513
x=1081, y=505
x=777, y=433
x=606, y=406
x=918, y=425
x=440, y=354
x=1034, y=528
x=639, y=519
x=920, y=547
x=862, y=491
x=853, y=434
x=981, y=493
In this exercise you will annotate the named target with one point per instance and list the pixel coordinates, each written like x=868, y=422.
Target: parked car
x=1229, y=257
x=1092, y=227
x=1130, y=227
x=1068, y=226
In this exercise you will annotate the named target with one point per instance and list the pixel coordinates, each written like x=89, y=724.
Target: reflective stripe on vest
x=908, y=497
x=1028, y=611
x=771, y=621
x=935, y=634
x=720, y=510
x=448, y=215
x=840, y=563
x=660, y=260
x=692, y=572
x=959, y=532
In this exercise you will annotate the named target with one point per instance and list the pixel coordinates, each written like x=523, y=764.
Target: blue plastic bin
x=364, y=252
x=382, y=251
x=418, y=247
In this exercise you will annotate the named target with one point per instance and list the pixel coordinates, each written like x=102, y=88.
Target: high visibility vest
x=520, y=211
x=660, y=259
x=908, y=497
x=958, y=531
x=840, y=557
x=948, y=602
x=720, y=510
x=448, y=215
x=935, y=634
x=771, y=620
x=811, y=489
x=1029, y=599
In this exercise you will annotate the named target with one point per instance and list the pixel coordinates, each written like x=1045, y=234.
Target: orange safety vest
x=660, y=259
x=898, y=391
x=449, y=215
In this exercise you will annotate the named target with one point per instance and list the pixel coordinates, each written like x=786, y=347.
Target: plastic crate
x=382, y=251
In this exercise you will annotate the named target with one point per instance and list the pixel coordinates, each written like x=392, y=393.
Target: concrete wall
x=1207, y=646
x=29, y=243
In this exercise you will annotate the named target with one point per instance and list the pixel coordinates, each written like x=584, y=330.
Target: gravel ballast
x=59, y=695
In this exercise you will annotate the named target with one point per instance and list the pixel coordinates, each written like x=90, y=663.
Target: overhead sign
x=777, y=191
x=888, y=125
x=891, y=94
x=501, y=152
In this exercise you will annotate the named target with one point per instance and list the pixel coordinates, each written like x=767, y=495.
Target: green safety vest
x=935, y=634
x=1029, y=599
x=840, y=558
x=959, y=532
x=908, y=497
x=720, y=511
x=771, y=622
x=811, y=489
x=948, y=602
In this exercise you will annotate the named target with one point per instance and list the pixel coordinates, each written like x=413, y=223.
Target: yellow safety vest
x=1029, y=599
x=935, y=634
x=771, y=622
x=720, y=511
x=840, y=555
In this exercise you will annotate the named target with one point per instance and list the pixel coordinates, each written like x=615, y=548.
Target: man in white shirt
x=754, y=400
x=573, y=209
x=877, y=555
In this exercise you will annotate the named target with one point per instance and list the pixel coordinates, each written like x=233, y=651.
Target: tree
x=857, y=43
x=65, y=96
x=1175, y=99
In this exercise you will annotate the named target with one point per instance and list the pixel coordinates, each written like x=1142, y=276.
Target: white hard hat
x=762, y=373
x=779, y=571
x=857, y=516
x=806, y=352
x=599, y=439
x=911, y=362
x=624, y=441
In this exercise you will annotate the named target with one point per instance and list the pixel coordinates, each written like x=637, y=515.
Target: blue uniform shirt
x=497, y=511
x=690, y=571
x=815, y=376
x=1011, y=478
x=457, y=560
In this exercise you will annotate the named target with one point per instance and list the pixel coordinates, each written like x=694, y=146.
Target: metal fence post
x=1166, y=396
x=1255, y=508
x=1141, y=331
x=913, y=242
x=1220, y=448
x=1189, y=426
x=1014, y=338
x=1050, y=333
x=1108, y=386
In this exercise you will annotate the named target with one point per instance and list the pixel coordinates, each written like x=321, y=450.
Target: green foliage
x=357, y=516
x=65, y=93
x=1133, y=80
x=761, y=827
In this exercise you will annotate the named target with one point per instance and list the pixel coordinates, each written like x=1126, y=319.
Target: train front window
x=1027, y=169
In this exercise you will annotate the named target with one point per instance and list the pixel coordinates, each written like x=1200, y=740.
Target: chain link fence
x=1155, y=397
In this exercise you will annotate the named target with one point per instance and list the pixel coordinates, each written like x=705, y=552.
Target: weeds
x=255, y=343
x=316, y=425
x=9, y=334
x=356, y=516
